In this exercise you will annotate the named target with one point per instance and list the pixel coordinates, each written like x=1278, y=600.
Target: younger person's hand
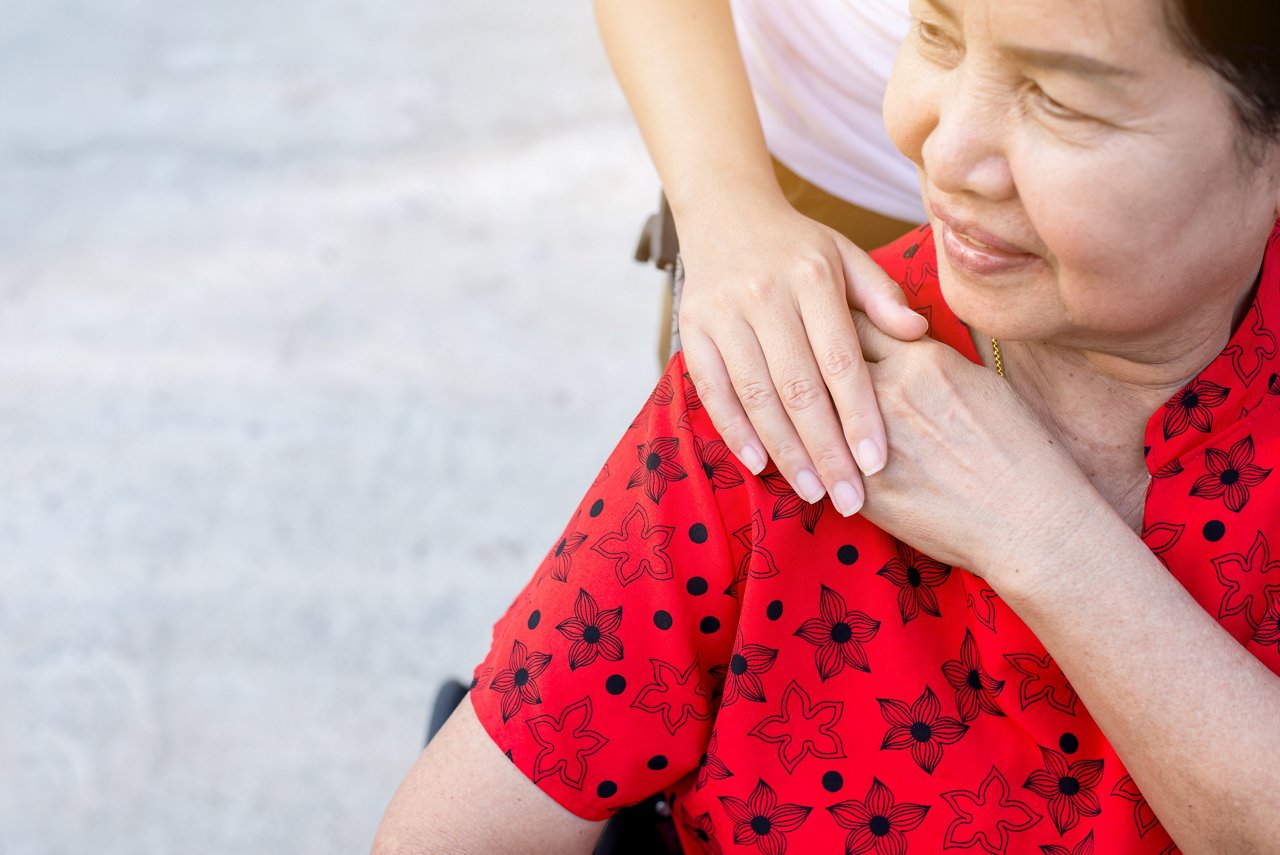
x=771, y=346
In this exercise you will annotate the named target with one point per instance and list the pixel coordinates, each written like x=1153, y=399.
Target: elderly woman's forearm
x=1180, y=699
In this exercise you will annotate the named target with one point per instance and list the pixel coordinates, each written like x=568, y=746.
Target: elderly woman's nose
x=965, y=150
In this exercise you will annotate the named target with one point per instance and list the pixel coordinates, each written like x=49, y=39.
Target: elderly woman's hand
x=765, y=324
x=974, y=478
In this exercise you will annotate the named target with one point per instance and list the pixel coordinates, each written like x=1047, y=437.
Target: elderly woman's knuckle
x=890, y=397
x=799, y=393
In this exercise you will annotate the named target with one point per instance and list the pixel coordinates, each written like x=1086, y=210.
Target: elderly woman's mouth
x=976, y=251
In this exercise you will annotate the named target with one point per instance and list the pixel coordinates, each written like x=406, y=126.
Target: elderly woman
x=1090, y=433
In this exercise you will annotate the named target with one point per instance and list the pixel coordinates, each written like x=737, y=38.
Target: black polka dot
x=832, y=782
x=607, y=789
x=616, y=684
x=597, y=507
x=698, y=533
x=708, y=625
x=697, y=586
x=847, y=554
x=662, y=619
x=534, y=619
x=1214, y=530
x=657, y=762
x=1069, y=743
x=774, y=611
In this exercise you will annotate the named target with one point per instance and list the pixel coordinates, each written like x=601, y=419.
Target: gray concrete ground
x=315, y=321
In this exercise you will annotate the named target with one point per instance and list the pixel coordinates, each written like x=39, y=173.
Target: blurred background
x=316, y=319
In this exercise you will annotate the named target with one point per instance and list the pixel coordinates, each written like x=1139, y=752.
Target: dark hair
x=1240, y=40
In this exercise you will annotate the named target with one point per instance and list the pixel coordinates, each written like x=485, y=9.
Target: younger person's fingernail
x=752, y=459
x=808, y=487
x=870, y=456
x=846, y=498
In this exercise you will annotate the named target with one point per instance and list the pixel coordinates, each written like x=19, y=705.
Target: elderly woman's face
x=1087, y=183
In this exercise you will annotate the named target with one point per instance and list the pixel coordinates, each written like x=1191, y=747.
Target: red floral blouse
x=796, y=681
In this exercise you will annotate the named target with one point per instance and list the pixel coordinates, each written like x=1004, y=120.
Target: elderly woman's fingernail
x=808, y=487
x=752, y=459
x=870, y=457
x=847, y=498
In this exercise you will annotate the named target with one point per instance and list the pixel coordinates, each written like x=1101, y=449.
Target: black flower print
x=756, y=561
x=710, y=766
x=1170, y=469
x=789, y=504
x=717, y=464
x=878, y=823
x=638, y=548
x=1162, y=537
x=703, y=829
x=1268, y=632
x=662, y=396
x=565, y=742
x=1191, y=407
x=1262, y=349
x=676, y=695
x=518, y=682
x=1042, y=679
x=985, y=817
x=742, y=674
x=802, y=728
x=975, y=689
x=691, y=399
x=761, y=822
x=839, y=634
x=1231, y=474
x=1248, y=580
x=659, y=466
x=562, y=555
x=1144, y=818
x=921, y=727
x=593, y=632
x=983, y=606
x=1068, y=787
x=916, y=575
x=1084, y=847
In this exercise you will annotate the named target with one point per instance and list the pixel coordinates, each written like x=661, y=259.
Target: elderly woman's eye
x=933, y=34
x=1050, y=105
x=936, y=41
x=930, y=32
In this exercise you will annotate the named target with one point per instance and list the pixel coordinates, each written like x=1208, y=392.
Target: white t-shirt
x=818, y=69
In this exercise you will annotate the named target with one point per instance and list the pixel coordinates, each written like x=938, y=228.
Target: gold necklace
x=995, y=351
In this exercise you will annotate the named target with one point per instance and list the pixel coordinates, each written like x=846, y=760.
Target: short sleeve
x=604, y=675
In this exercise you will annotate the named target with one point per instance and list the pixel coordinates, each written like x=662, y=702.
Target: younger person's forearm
x=679, y=66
